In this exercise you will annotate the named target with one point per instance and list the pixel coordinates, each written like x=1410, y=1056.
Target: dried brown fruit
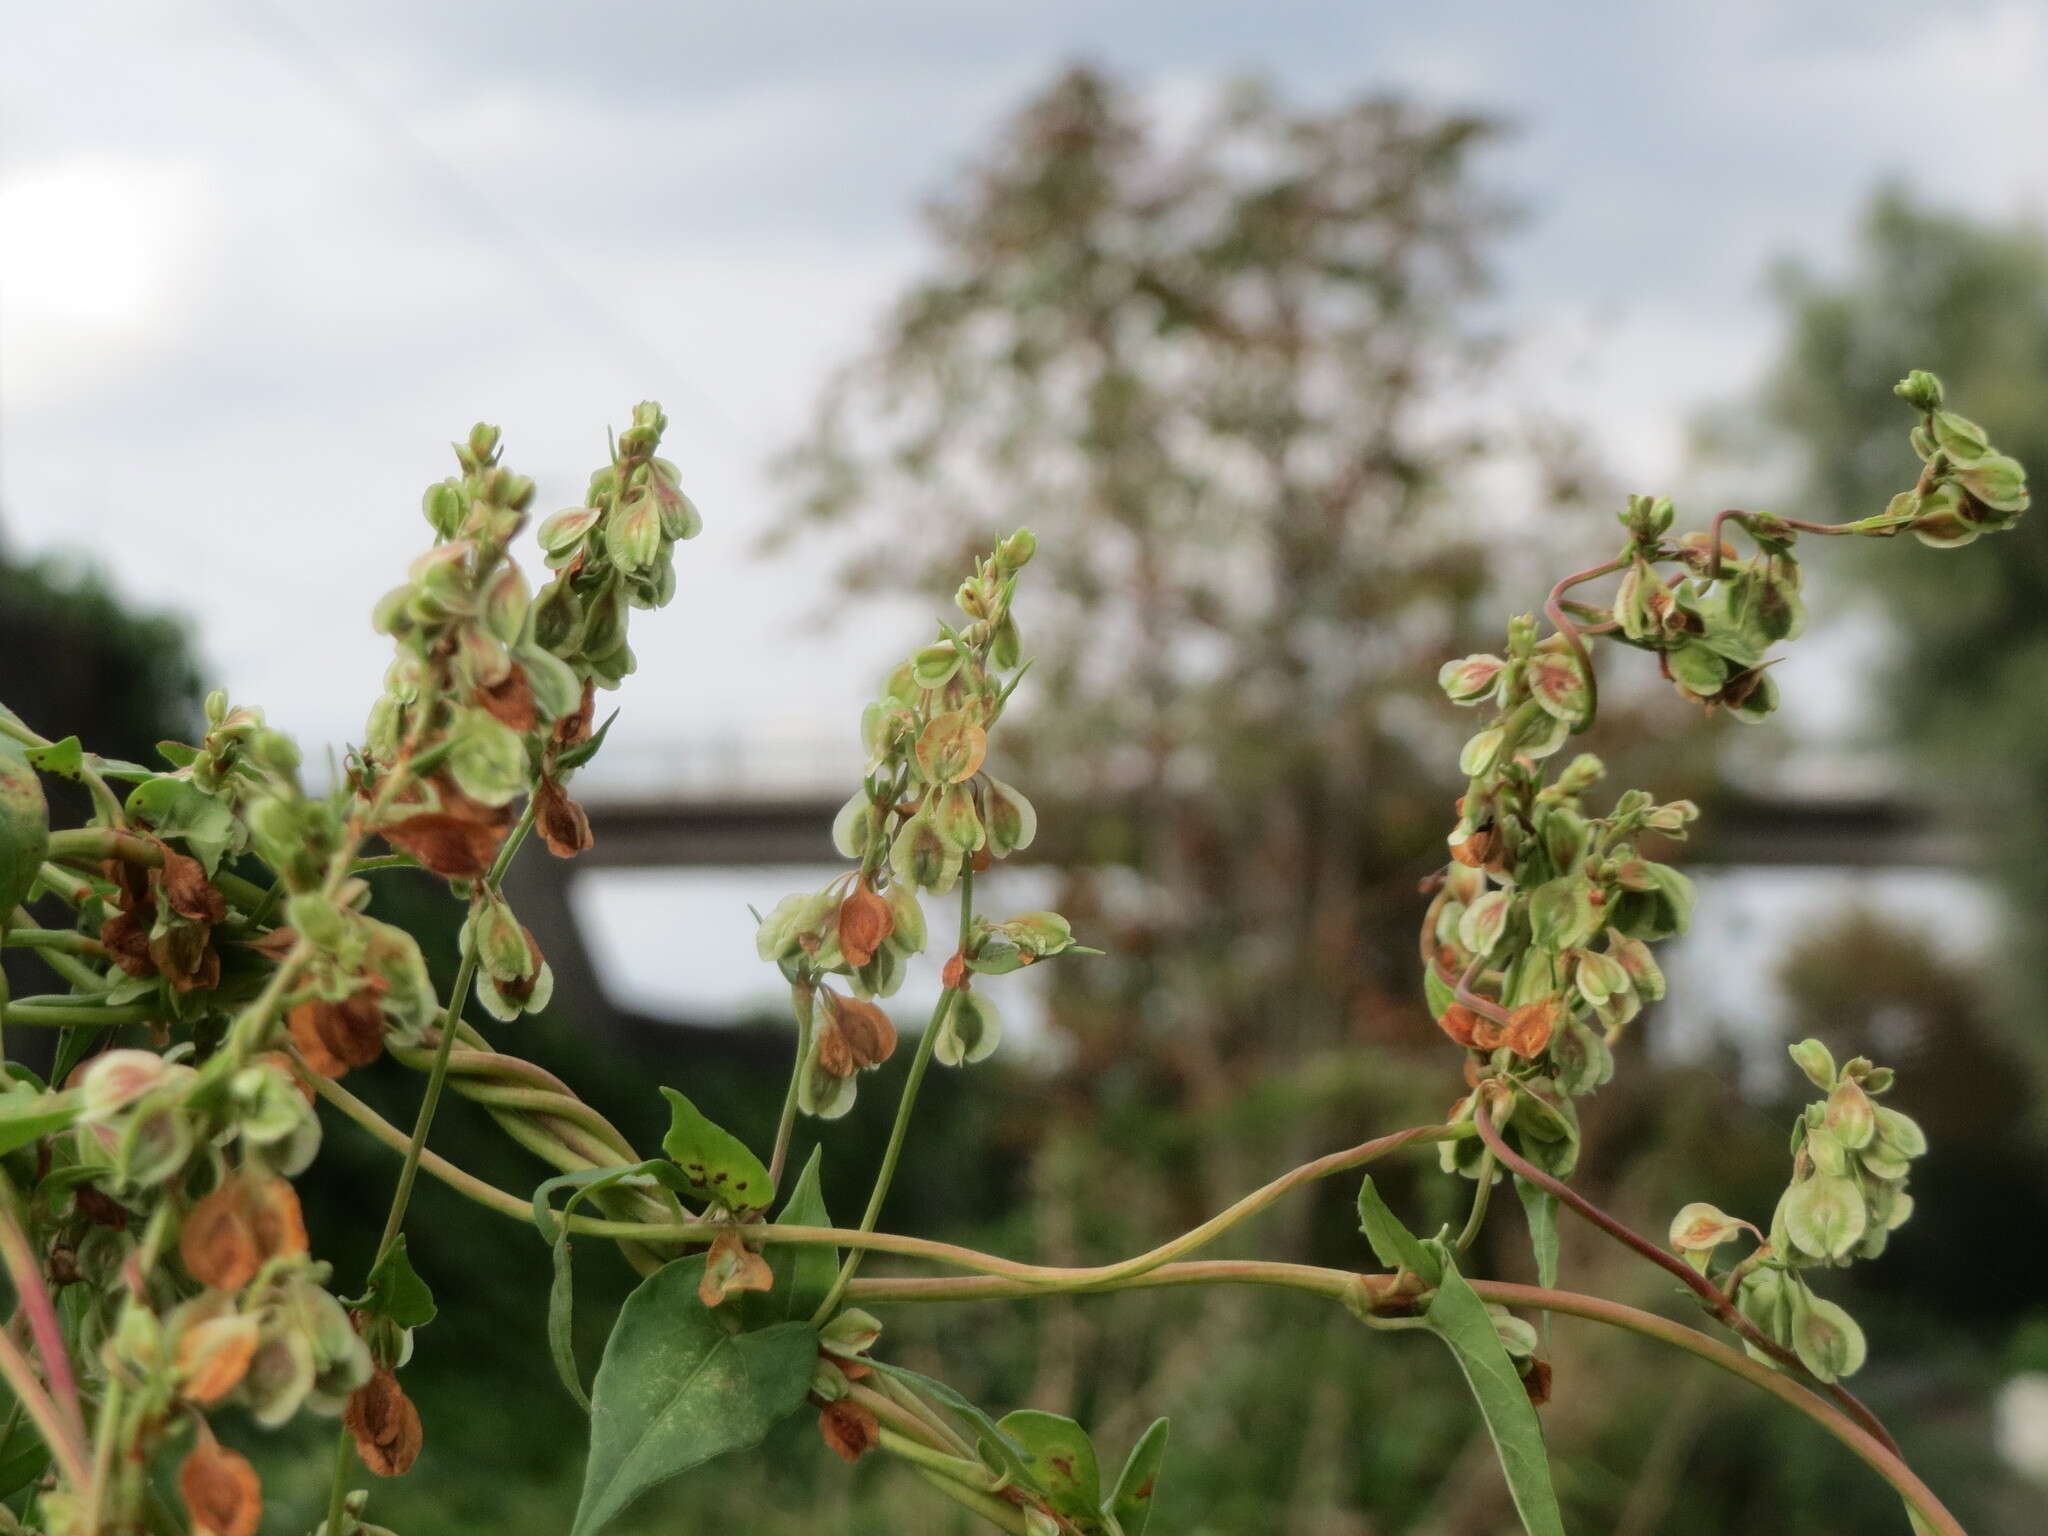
x=233, y=1231
x=865, y=922
x=220, y=1489
x=213, y=1356
x=384, y=1425
x=333, y=1037
x=454, y=847
x=1460, y=1023
x=1530, y=1026
x=509, y=701
x=562, y=822
x=732, y=1266
x=574, y=729
x=188, y=891
x=849, y=1429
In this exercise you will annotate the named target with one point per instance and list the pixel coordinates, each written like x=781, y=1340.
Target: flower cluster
x=1535, y=944
x=1850, y=1160
x=927, y=812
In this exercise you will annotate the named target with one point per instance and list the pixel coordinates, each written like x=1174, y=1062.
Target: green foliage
x=678, y=1388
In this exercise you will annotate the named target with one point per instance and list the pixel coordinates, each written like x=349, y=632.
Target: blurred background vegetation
x=1236, y=378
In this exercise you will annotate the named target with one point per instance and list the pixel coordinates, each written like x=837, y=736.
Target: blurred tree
x=1936, y=290
x=1231, y=377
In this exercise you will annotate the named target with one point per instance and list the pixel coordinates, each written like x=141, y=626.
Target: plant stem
x=25, y=1269
x=337, y=1493
x=926, y=1043
x=1692, y=1279
x=69, y=1451
x=1480, y=1198
x=1003, y=1516
x=785, y=1125
x=1343, y=1285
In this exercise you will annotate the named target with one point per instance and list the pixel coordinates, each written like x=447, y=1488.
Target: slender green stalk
x=785, y=1124
x=926, y=1043
x=1005, y=1517
x=1342, y=1285
x=337, y=1492
x=973, y=1474
x=68, y=1451
x=1481, y=1195
x=63, y=1012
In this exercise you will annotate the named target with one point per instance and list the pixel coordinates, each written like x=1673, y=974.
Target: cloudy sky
x=260, y=259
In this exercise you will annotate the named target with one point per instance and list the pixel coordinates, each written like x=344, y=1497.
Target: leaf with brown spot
x=220, y=1489
x=384, y=1424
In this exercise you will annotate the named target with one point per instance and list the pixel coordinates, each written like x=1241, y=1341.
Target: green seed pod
x=24, y=827
x=634, y=535
x=935, y=665
x=1012, y=821
x=1471, y=679
x=971, y=1031
x=1823, y=1215
x=487, y=758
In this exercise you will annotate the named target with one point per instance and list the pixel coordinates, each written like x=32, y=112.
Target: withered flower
x=732, y=1266
x=1529, y=1027
x=333, y=1037
x=509, y=701
x=384, y=1424
x=572, y=730
x=852, y=1034
x=213, y=1356
x=458, y=840
x=865, y=923
x=563, y=824
x=849, y=1429
x=220, y=1489
x=233, y=1231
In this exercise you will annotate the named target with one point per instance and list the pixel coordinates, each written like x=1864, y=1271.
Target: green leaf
x=64, y=758
x=811, y=1269
x=676, y=1389
x=1062, y=1461
x=1540, y=1207
x=586, y=749
x=1130, y=1502
x=24, y=827
x=716, y=1164
x=562, y=1320
x=177, y=808
x=26, y=1115
x=1458, y=1317
x=396, y=1291
x=1394, y=1244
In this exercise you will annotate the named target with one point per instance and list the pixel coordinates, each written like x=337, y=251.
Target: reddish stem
x=1697, y=1283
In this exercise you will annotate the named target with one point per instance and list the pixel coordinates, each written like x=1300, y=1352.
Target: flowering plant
x=218, y=971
